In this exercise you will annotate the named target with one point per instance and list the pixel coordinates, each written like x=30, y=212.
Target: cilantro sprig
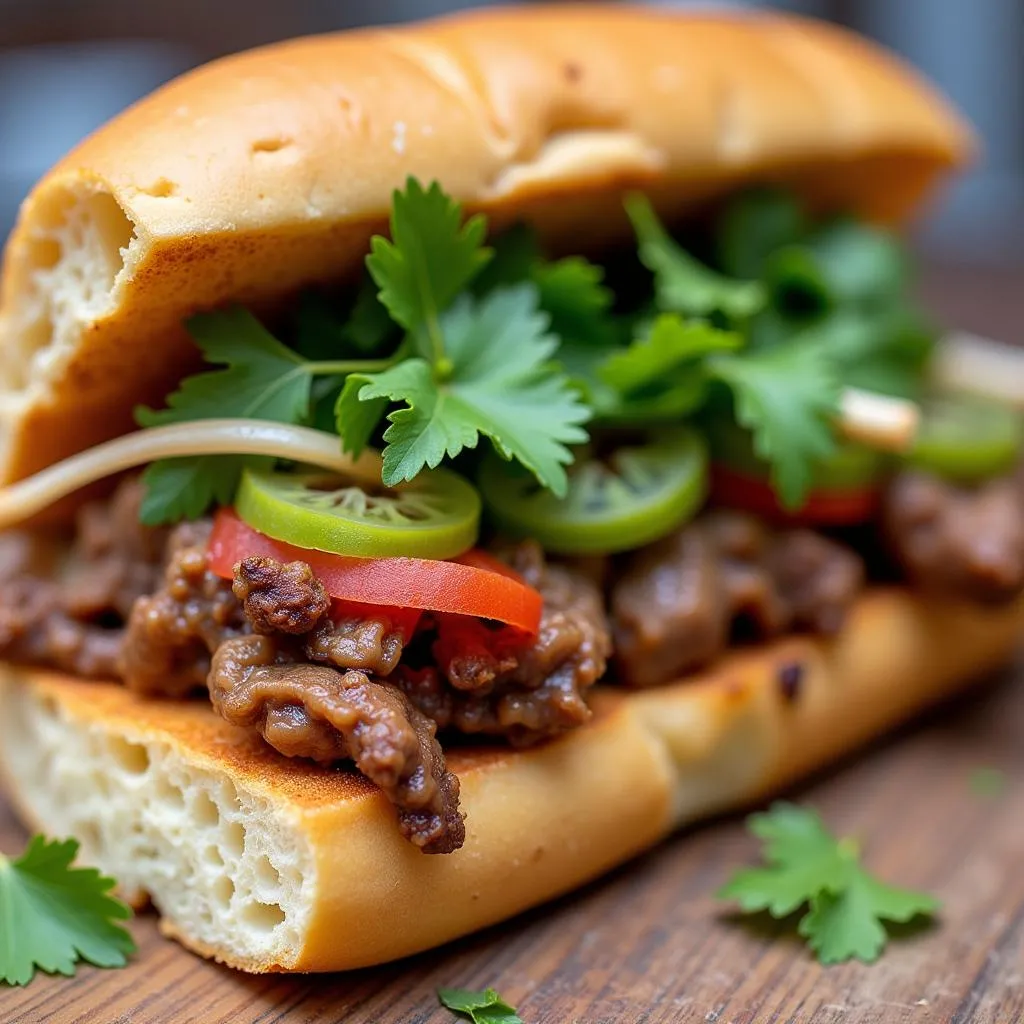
x=485, y=1007
x=261, y=379
x=806, y=866
x=499, y=341
x=53, y=915
x=482, y=365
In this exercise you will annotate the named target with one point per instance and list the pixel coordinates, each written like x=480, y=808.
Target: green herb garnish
x=988, y=783
x=52, y=914
x=806, y=866
x=480, y=1007
x=504, y=343
x=262, y=379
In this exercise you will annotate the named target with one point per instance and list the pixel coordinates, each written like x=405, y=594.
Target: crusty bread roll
x=261, y=173
x=269, y=864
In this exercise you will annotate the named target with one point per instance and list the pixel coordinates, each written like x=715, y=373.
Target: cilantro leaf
x=480, y=1007
x=571, y=292
x=807, y=865
x=322, y=332
x=516, y=251
x=803, y=858
x=682, y=284
x=186, y=487
x=988, y=783
x=430, y=257
x=52, y=915
x=861, y=264
x=787, y=396
x=753, y=225
x=498, y=383
x=847, y=924
x=262, y=380
x=672, y=345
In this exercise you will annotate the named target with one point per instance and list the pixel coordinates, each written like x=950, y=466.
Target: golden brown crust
x=258, y=174
x=542, y=822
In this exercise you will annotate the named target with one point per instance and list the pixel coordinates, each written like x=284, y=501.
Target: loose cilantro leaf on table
x=807, y=865
x=496, y=382
x=682, y=284
x=480, y=1007
x=52, y=914
x=787, y=396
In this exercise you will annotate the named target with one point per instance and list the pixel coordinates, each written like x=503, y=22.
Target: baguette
x=271, y=865
x=259, y=174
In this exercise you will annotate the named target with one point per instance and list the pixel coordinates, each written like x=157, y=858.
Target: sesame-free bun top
x=256, y=175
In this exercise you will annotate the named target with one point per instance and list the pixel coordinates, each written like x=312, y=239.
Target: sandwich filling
x=688, y=446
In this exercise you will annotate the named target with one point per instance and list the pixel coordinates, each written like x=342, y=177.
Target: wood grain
x=649, y=944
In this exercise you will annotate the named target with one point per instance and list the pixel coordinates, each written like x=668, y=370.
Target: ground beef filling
x=679, y=602
x=277, y=655
x=319, y=712
x=479, y=684
x=965, y=541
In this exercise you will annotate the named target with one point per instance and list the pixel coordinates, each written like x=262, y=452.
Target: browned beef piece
x=114, y=558
x=280, y=598
x=34, y=627
x=679, y=601
x=369, y=644
x=525, y=691
x=964, y=542
x=172, y=632
x=313, y=711
x=288, y=598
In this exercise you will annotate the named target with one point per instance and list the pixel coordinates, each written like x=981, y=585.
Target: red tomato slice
x=822, y=508
x=408, y=583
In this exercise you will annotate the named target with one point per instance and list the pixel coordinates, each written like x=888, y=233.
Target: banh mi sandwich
x=440, y=462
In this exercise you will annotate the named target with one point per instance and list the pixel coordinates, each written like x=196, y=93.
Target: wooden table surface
x=649, y=943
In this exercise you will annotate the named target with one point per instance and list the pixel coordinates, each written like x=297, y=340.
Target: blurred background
x=68, y=65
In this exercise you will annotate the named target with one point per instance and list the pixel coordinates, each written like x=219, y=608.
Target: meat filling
x=172, y=633
x=525, y=692
x=679, y=602
x=318, y=712
x=956, y=540
x=319, y=680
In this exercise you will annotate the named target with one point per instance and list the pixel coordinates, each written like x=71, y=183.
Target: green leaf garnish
x=262, y=379
x=787, y=397
x=988, y=783
x=52, y=914
x=862, y=265
x=753, y=225
x=430, y=257
x=480, y=1007
x=672, y=349
x=495, y=381
x=807, y=866
x=683, y=284
x=572, y=293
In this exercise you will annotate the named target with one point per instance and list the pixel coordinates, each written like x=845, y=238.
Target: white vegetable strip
x=878, y=420
x=991, y=369
x=25, y=498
